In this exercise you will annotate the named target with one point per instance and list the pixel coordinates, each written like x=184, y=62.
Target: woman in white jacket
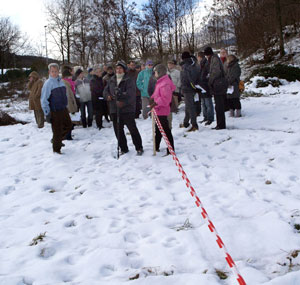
x=83, y=91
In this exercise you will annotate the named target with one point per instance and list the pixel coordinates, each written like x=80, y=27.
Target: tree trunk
x=279, y=22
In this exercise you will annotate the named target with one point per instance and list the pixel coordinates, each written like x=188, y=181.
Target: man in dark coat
x=218, y=85
x=121, y=94
x=133, y=74
x=189, y=78
x=206, y=97
x=99, y=104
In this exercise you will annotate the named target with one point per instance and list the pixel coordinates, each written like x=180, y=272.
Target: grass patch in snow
x=297, y=227
x=152, y=271
x=38, y=239
x=246, y=94
x=222, y=274
x=186, y=226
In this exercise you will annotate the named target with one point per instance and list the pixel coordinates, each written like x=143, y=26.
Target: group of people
x=122, y=93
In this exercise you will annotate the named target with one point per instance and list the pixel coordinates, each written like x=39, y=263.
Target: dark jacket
x=189, y=74
x=203, y=80
x=151, y=85
x=97, y=88
x=133, y=74
x=127, y=94
x=217, y=79
x=233, y=74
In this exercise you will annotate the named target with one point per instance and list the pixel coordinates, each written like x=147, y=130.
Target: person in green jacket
x=142, y=83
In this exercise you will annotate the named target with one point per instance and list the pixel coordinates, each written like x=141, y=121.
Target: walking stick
x=118, y=132
x=153, y=133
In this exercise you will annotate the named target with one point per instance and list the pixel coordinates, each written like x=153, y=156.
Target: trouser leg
x=145, y=108
x=220, y=111
x=39, y=118
x=83, y=114
x=165, y=125
x=170, y=119
x=190, y=109
x=90, y=113
x=57, y=126
x=129, y=121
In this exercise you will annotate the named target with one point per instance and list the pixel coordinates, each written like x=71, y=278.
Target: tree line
x=88, y=32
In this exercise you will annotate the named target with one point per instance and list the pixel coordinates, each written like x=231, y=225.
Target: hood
x=34, y=75
x=188, y=61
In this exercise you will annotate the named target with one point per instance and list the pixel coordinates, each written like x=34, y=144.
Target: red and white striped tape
x=199, y=204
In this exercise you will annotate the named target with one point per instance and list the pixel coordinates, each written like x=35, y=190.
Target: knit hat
x=161, y=70
x=149, y=62
x=185, y=55
x=78, y=72
x=122, y=64
x=208, y=51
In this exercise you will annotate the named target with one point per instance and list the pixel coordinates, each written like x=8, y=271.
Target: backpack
x=242, y=86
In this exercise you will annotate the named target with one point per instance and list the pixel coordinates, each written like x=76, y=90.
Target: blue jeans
x=208, y=109
x=89, y=106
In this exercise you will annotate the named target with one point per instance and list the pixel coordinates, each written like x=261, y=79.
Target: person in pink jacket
x=161, y=101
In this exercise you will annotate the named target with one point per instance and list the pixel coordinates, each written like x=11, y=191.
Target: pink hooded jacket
x=162, y=95
x=72, y=83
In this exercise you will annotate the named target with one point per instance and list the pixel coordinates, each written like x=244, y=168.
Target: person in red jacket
x=161, y=101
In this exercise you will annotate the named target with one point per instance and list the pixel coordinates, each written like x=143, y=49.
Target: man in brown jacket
x=35, y=86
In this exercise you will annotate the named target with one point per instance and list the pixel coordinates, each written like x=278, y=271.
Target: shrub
x=3, y=78
x=267, y=82
x=289, y=73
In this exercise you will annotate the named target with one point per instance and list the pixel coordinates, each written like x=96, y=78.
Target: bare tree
x=11, y=42
x=156, y=15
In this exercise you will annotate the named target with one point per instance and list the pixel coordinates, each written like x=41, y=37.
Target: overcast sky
x=29, y=15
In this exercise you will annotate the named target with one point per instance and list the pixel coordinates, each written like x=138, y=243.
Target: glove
x=151, y=101
x=120, y=104
x=48, y=118
x=152, y=105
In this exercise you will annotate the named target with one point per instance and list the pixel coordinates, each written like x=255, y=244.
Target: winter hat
x=149, y=62
x=122, y=64
x=173, y=61
x=78, y=72
x=90, y=69
x=208, y=51
x=185, y=55
x=161, y=70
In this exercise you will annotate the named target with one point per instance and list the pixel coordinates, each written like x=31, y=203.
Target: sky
x=29, y=16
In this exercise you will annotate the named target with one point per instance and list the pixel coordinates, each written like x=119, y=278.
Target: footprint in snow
x=294, y=178
x=171, y=242
x=8, y=189
x=107, y=270
x=70, y=224
x=131, y=237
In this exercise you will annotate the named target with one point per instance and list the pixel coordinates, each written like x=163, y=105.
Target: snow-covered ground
x=105, y=221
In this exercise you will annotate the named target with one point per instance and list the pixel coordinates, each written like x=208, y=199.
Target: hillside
x=87, y=218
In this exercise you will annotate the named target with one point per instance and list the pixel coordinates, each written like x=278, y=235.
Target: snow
x=107, y=220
